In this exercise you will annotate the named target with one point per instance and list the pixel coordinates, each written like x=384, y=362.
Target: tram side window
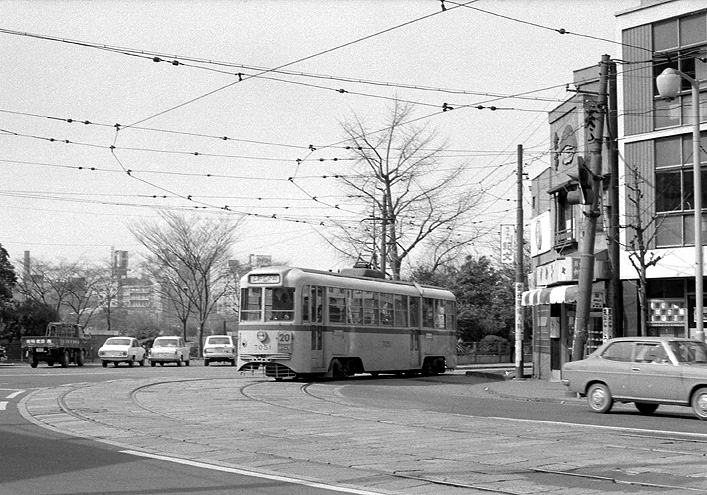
x=451, y=311
x=306, y=293
x=386, y=309
x=251, y=302
x=401, y=310
x=428, y=312
x=440, y=314
x=337, y=305
x=312, y=304
x=280, y=304
x=370, y=308
x=317, y=304
x=415, y=312
x=355, y=306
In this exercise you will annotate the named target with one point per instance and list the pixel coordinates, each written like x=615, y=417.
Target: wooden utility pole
x=520, y=321
x=594, y=123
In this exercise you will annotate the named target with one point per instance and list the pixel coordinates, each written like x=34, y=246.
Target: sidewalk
x=505, y=384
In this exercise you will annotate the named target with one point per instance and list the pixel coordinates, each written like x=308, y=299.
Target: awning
x=551, y=295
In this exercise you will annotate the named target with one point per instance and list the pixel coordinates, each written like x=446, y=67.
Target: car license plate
x=39, y=349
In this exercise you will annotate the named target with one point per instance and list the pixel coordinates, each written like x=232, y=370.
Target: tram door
x=415, y=332
x=312, y=312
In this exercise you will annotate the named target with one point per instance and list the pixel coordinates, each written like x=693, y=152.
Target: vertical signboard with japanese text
x=508, y=244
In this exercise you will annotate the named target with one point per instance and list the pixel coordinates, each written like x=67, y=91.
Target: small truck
x=62, y=343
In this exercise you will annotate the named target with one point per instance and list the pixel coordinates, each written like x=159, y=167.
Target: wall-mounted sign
x=540, y=234
x=560, y=270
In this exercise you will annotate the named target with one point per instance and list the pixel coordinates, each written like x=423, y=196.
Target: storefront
x=553, y=319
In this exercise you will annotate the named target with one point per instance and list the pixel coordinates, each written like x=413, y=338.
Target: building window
x=564, y=221
x=679, y=44
x=674, y=189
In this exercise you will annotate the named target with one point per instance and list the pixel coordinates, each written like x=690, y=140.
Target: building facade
x=655, y=144
x=556, y=232
x=652, y=192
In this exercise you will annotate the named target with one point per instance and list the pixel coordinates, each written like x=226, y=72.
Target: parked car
x=219, y=348
x=3, y=353
x=122, y=350
x=647, y=371
x=169, y=350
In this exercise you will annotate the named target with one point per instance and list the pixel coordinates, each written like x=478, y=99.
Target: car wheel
x=206, y=362
x=187, y=362
x=699, y=403
x=179, y=363
x=34, y=361
x=233, y=362
x=105, y=364
x=131, y=362
x=142, y=361
x=599, y=398
x=152, y=363
x=645, y=408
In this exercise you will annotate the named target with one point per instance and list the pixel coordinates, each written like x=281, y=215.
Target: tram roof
x=367, y=283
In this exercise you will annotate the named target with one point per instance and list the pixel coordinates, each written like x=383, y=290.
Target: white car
x=169, y=350
x=122, y=350
x=219, y=348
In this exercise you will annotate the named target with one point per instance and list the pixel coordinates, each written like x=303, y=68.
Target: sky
x=244, y=107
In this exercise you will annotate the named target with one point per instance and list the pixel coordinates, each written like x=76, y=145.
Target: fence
x=497, y=352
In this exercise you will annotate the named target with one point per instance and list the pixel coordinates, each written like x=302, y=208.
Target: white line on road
x=15, y=394
x=253, y=474
x=3, y=405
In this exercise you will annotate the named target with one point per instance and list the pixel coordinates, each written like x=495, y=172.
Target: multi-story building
x=556, y=227
x=655, y=143
x=655, y=191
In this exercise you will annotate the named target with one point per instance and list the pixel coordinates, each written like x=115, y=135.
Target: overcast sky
x=71, y=70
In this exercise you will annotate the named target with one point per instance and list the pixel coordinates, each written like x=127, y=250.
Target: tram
x=298, y=322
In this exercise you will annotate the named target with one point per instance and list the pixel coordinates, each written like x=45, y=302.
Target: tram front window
x=280, y=304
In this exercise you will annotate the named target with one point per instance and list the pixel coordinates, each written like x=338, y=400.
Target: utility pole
x=520, y=367
x=617, y=301
x=595, y=132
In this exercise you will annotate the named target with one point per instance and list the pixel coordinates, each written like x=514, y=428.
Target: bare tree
x=192, y=252
x=83, y=291
x=404, y=198
x=46, y=282
x=640, y=236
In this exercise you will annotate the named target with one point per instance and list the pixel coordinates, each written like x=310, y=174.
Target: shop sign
x=560, y=270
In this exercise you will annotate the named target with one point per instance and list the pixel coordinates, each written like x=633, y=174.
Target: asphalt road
x=38, y=461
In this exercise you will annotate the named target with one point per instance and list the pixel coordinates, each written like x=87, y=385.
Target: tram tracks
x=303, y=400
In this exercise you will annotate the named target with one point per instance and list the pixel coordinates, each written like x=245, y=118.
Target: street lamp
x=669, y=84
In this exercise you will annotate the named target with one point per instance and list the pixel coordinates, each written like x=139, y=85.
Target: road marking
x=702, y=436
x=3, y=405
x=243, y=472
x=15, y=394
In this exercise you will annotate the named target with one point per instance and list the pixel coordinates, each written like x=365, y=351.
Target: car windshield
x=117, y=341
x=689, y=352
x=166, y=343
x=219, y=341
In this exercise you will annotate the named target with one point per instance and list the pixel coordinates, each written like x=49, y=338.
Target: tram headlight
x=262, y=336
